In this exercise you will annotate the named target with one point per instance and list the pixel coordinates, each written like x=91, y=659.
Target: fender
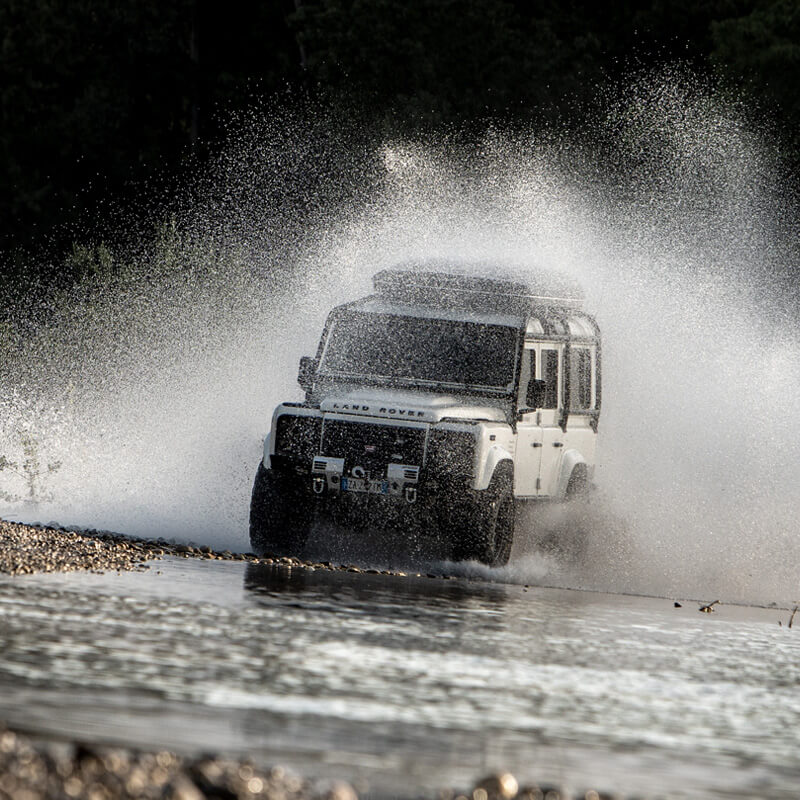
x=570, y=460
x=494, y=456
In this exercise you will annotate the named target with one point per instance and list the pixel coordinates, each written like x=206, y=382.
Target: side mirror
x=306, y=373
x=536, y=393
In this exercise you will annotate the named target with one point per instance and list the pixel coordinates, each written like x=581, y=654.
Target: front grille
x=372, y=446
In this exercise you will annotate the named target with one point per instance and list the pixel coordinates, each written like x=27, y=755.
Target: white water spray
x=154, y=397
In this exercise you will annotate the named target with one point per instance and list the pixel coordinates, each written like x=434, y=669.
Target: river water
x=404, y=685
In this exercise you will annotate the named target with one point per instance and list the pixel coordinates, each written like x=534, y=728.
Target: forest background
x=106, y=102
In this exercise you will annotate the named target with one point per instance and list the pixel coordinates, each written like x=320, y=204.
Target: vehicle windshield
x=409, y=349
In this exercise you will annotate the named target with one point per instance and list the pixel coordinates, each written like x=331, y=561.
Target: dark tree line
x=99, y=95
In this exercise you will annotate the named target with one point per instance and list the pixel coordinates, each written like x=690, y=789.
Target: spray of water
x=154, y=394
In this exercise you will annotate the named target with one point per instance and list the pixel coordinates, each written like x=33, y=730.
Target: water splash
x=154, y=395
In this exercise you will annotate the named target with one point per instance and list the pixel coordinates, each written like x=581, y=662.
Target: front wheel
x=280, y=516
x=488, y=532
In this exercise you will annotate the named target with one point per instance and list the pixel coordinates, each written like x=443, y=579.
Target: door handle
x=558, y=444
x=536, y=444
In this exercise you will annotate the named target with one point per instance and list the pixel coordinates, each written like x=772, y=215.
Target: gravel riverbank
x=36, y=769
x=26, y=549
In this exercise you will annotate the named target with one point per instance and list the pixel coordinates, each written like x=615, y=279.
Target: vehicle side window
x=527, y=373
x=580, y=379
x=550, y=377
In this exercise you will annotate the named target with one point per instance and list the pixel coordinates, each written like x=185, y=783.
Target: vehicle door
x=581, y=433
x=529, y=432
x=549, y=368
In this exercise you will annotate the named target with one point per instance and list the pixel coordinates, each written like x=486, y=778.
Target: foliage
x=90, y=262
x=763, y=48
x=102, y=100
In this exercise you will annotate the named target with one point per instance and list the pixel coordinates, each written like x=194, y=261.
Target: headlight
x=297, y=437
x=451, y=453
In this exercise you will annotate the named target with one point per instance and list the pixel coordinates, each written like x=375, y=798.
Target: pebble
x=341, y=791
x=500, y=786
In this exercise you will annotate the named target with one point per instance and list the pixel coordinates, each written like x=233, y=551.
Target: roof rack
x=543, y=289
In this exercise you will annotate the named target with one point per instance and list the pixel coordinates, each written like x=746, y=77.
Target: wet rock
x=500, y=786
x=182, y=788
x=341, y=791
x=543, y=792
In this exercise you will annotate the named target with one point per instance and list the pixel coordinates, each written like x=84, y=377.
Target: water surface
x=406, y=685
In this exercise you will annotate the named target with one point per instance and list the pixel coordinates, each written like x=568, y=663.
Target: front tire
x=487, y=534
x=280, y=515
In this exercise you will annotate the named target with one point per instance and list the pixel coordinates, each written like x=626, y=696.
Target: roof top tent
x=551, y=303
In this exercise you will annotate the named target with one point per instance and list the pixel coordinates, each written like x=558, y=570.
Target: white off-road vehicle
x=442, y=397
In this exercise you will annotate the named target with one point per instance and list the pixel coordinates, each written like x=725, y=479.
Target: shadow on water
x=380, y=542
x=389, y=596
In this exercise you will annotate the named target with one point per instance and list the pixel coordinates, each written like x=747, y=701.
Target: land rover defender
x=442, y=397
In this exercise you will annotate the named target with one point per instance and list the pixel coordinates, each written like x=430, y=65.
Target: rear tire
x=578, y=486
x=280, y=515
x=575, y=536
x=487, y=534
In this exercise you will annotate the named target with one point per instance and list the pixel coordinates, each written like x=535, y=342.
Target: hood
x=413, y=405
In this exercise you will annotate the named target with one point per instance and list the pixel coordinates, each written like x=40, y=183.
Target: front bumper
x=405, y=489
x=400, y=481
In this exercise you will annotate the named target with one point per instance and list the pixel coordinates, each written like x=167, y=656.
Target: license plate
x=364, y=485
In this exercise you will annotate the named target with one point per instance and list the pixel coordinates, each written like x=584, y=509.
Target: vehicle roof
x=479, y=285
x=544, y=305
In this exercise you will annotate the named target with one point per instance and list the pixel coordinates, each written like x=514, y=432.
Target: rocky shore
x=48, y=770
x=26, y=549
x=44, y=769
